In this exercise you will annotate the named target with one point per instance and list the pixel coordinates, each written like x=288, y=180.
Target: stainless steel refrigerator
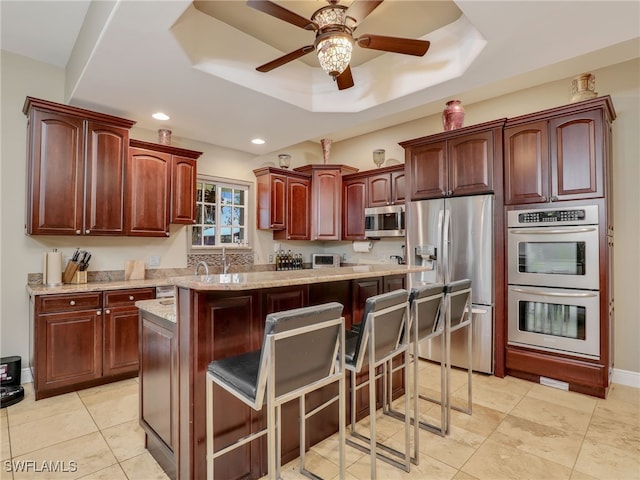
x=454, y=237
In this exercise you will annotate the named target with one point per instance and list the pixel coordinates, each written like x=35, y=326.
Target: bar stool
x=459, y=314
x=303, y=350
x=379, y=337
x=426, y=321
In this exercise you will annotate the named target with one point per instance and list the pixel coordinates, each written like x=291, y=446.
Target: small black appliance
x=10, y=389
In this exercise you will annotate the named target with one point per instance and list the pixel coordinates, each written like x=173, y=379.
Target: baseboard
x=25, y=376
x=626, y=377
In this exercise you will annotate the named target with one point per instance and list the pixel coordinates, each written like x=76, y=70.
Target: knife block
x=79, y=277
x=69, y=272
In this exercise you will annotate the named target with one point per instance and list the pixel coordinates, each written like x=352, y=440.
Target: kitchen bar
x=223, y=315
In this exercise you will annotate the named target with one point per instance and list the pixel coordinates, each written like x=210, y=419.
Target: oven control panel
x=587, y=215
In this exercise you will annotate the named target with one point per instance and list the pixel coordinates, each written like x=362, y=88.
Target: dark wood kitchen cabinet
x=558, y=154
x=386, y=186
x=326, y=199
x=453, y=163
x=160, y=188
x=79, y=340
x=283, y=203
x=75, y=170
x=354, y=201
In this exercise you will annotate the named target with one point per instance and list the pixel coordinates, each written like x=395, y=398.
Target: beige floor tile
x=81, y=456
x=125, y=440
x=113, y=407
x=110, y=389
x=552, y=415
x=624, y=393
x=511, y=385
x=616, y=434
x=576, y=475
x=114, y=472
x=547, y=442
x=500, y=400
x=482, y=422
x=6, y=474
x=143, y=467
x=49, y=431
x=429, y=468
x=28, y=410
x=314, y=463
x=606, y=462
x=385, y=426
x=329, y=449
x=464, y=476
x=454, y=449
x=493, y=460
x=348, y=476
x=618, y=410
x=577, y=401
x=5, y=446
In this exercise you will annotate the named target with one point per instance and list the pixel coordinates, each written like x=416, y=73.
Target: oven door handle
x=544, y=231
x=554, y=294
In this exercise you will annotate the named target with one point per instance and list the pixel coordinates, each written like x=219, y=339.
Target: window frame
x=249, y=227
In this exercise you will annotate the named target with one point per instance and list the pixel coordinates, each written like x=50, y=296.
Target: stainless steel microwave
x=385, y=221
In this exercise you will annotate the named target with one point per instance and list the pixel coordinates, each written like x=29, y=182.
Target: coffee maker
x=10, y=389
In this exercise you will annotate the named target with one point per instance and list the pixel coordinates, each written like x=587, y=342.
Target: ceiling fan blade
x=278, y=62
x=360, y=9
x=282, y=13
x=407, y=46
x=345, y=79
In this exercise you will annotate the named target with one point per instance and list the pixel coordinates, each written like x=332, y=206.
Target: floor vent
x=550, y=382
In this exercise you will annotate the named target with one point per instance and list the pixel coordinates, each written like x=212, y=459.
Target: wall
x=20, y=254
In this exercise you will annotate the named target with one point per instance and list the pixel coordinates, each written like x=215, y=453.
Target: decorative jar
x=583, y=87
x=326, y=147
x=164, y=136
x=453, y=115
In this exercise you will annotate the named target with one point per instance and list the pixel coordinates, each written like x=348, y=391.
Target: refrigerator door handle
x=446, y=243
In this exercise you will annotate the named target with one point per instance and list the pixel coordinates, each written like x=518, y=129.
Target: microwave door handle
x=546, y=231
x=553, y=294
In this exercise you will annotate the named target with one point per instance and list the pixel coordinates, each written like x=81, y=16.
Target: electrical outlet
x=154, y=261
x=270, y=258
x=344, y=257
x=276, y=247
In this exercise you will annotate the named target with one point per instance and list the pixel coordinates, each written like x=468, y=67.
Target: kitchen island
x=217, y=316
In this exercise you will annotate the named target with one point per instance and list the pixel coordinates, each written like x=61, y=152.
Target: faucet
x=202, y=263
x=398, y=258
x=225, y=263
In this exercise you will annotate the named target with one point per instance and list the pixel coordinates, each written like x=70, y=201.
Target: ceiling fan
x=334, y=26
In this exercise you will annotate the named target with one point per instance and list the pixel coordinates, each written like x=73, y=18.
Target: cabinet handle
x=78, y=232
x=107, y=311
x=166, y=233
x=87, y=231
x=544, y=199
x=99, y=312
x=131, y=297
x=554, y=198
x=72, y=302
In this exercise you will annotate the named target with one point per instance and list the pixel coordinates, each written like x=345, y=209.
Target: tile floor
x=518, y=430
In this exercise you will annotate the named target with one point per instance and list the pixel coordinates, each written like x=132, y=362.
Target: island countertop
x=255, y=280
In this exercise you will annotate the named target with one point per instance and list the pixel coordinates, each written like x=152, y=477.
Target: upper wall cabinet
x=386, y=186
x=558, y=154
x=75, y=170
x=284, y=203
x=453, y=163
x=160, y=188
x=326, y=199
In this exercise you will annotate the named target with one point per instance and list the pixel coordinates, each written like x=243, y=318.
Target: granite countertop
x=254, y=280
x=161, y=307
x=95, y=286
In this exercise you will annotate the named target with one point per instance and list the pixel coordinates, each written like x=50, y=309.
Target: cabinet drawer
x=118, y=298
x=68, y=302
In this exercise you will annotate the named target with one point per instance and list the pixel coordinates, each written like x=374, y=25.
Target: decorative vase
x=164, y=136
x=284, y=160
x=453, y=115
x=378, y=157
x=326, y=147
x=583, y=87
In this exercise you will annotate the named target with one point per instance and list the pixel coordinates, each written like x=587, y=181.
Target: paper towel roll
x=363, y=247
x=52, y=271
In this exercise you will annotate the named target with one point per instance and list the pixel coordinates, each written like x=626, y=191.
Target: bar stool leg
x=209, y=397
x=372, y=409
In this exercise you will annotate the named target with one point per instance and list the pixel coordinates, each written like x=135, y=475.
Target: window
x=221, y=214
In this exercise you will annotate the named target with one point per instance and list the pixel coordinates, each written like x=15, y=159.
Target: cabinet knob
x=99, y=312
x=87, y=231
x=78, y=232
x=131, y=297
x=107, y=311
x=544, y=199
x=72, y=302
x=554, y=198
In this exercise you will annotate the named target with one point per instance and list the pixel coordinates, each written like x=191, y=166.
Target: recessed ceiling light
x=160, y=116
x=257, y=141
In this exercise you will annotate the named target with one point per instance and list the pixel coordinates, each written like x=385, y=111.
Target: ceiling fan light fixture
x=334, y=53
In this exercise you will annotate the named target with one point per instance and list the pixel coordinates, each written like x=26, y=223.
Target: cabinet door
x=394, y=282
x=398, y=187
x=55, y=193
x=120, y=354
x=326, y=191
x=148, y=186
x=526, y=164
x=379, y=192
x=69, y=348
x=470, y=164
x=576, y=148
x=354, y=201
x=298, y=209
x=104, y=185
x=183, y=190
x=428, y=171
